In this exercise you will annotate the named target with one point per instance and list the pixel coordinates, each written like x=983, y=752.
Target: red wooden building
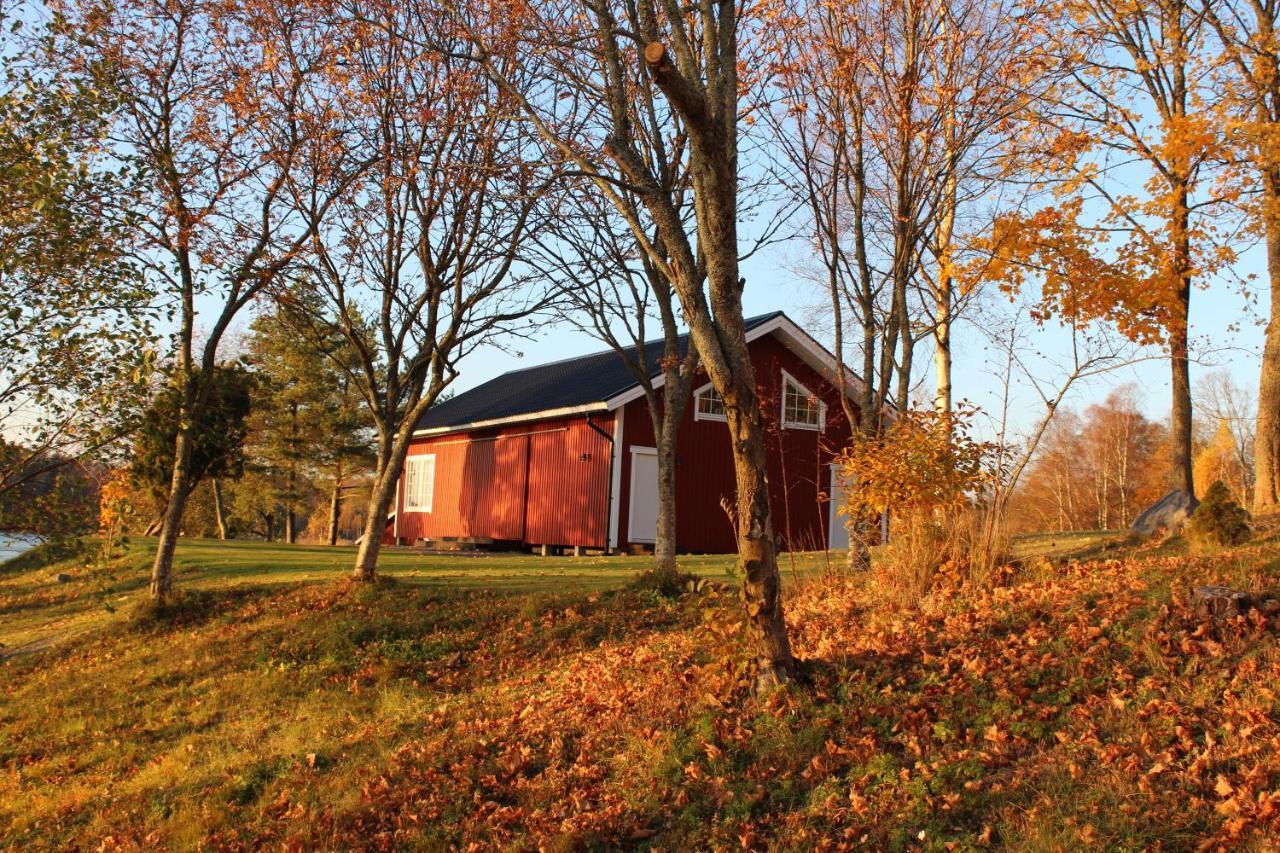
x=563, y=455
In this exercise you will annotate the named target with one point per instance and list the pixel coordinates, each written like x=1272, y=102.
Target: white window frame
x=699, y=415
x=416, y=467
x=822, y=407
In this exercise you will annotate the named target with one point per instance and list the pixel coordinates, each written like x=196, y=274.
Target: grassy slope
x=37, y=610
x=1073, y=704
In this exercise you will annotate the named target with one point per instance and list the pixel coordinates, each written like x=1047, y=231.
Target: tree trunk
x=756, y=555
x=666, y=411
x=383, y=493
x=171, y=526
x=664, y=542
x=719, y=335
x=1180, y=420
x=335, y=505
x=945, y=298
x=291, y=505
x=1266, y=450
x=219, y=515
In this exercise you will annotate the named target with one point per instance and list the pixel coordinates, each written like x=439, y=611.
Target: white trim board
x=615, y=482
x=545, y=414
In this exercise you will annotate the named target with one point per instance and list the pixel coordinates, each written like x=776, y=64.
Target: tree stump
x=1219, y=604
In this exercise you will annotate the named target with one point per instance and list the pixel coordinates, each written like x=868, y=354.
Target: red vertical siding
x=798, y=461
x=569, y=486
x=526, y=482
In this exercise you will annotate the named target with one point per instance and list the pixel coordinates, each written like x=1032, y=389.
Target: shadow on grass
x=187, y=608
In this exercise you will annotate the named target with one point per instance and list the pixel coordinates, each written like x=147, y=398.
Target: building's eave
x=544, y=414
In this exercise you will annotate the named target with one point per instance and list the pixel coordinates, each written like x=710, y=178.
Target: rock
x=1218, y=603
x=1169, y=513
x=63, y=577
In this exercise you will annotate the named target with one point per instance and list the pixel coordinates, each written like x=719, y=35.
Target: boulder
x=1169, y=513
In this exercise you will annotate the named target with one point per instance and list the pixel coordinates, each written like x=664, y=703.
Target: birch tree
x=895, y=117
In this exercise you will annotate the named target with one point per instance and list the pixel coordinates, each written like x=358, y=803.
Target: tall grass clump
x=927, y=473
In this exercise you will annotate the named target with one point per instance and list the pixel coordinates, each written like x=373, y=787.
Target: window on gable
x=419, y=483
x=708, y=404
x=800, y=406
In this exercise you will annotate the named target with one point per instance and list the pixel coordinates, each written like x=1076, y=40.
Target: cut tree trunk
x=709, y=108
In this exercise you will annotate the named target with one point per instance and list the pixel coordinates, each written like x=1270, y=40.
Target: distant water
x=13, y=544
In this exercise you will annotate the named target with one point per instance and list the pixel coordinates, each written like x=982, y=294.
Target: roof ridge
x=758, y=318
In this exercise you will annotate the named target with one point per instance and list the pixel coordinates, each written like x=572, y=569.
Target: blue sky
x=773, y=284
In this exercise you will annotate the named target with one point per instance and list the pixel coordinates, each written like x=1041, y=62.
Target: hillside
x=1075, y=703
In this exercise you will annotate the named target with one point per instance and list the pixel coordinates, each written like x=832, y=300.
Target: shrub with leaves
x=926, y=471
x=1219, y=521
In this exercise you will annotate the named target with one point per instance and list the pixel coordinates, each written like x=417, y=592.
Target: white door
x=643, y=519
x=837, y=532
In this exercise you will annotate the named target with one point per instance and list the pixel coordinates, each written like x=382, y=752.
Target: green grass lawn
x=36, y=609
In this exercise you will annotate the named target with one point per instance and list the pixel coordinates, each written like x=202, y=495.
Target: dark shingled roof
x=579, y=381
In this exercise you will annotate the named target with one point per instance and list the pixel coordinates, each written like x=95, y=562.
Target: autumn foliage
x=926, y=473
x=1096, y=469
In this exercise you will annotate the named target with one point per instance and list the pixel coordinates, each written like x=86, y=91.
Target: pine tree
x=307, y=432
